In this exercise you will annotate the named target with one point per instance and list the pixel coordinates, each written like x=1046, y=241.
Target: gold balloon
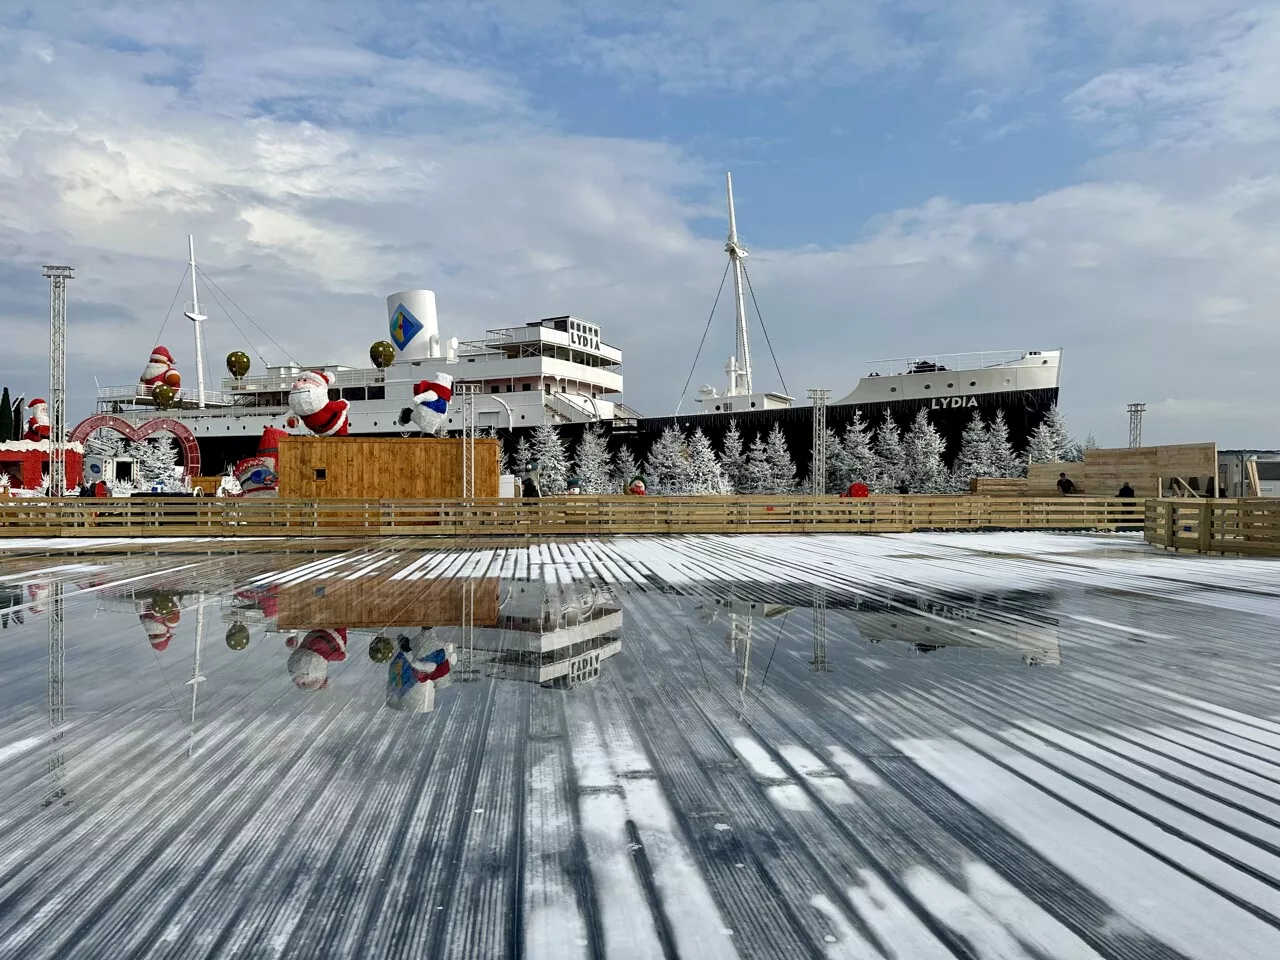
x=238, y=363
x=237, y=636
x=381, y=649
x=383, y=354
x=163, y=395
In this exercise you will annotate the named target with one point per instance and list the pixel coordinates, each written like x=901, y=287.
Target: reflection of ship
x=1013, y=621
x=554, y=634
x=546, y=633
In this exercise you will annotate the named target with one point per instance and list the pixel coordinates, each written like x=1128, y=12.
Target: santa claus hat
x=37, y=402
x=442, y=384
x=313, y=378
x=161, y=355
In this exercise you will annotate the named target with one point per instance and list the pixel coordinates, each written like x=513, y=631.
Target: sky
x=912, y=177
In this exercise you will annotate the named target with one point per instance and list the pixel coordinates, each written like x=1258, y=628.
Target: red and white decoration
x=38, y=423
x=309, y=399
x=160, y=369
x=159, y=626
x=431, y=402
x=259, y=476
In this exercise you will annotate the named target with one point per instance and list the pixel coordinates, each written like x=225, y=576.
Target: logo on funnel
x=404, y=327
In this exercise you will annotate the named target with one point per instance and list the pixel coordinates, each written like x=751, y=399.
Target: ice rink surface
x=921, y=746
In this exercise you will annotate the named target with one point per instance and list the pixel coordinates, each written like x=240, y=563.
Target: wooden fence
x=561, y=516
x=1207, y=525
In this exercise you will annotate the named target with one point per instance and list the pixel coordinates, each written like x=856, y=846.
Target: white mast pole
x=195, y=316
x=740, y=378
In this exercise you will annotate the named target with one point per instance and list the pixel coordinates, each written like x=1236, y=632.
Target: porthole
x=973, y=383
x=928, y=386
x=893, y=389
x=717, y=406
x=1007, y=381
x=522, y=416
x=1044, y=363
x=950, y=386
x=753, y=403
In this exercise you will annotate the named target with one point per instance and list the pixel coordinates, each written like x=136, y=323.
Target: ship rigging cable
x=177, y=293
x=209, y=280
x=760, y=316
x=218, y=300
x=712, y=314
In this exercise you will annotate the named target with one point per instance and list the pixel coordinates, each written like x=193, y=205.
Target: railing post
x=1206, y=526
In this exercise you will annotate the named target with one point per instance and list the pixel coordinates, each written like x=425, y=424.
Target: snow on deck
x=917, y=746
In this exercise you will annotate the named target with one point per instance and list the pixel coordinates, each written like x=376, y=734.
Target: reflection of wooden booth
x=371, y=604
x=383, y=468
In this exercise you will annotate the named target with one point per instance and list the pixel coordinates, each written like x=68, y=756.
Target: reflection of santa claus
x=159, y=624
x=419, y=667
x=309, y=662
x=160, y=369
x=309, y=399
x=38, y=424
x=266, y=599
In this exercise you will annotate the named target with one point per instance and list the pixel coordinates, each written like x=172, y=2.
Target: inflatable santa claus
x=258, y=476
x=38, y=424
x=431, y=402
x=309, y=662
x=309, y=399
x=160, y=369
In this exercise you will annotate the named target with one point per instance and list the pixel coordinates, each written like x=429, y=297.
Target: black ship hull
x=1023, y=411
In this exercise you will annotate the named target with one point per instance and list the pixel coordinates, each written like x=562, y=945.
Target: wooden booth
x=1151, y=471
x=383, y=468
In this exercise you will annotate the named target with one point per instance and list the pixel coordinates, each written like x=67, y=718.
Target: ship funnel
x=414, y=331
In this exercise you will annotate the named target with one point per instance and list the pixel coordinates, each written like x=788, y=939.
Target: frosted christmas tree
x=922, y=464
x=974, y=458
x=157, y=460
x=666, y=470
x=889, y=474
x=733, y=461
x=593, y=464
x=548, y=450
x=705, y=475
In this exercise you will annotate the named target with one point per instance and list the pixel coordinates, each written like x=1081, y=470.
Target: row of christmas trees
x=885, y=459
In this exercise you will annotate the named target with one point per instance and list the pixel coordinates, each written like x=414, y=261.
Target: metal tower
x=1135, y=424
x=196, y=317
x=818, y=455
x=740, y=364
x=466, y=392
x=58, y=277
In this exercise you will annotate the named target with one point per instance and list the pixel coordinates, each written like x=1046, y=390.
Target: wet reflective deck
x=1005, y=745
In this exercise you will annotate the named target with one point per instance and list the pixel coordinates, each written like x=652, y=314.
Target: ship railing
x=141, y=393
x=341, y=378
x=977, y=360
x=580, y=412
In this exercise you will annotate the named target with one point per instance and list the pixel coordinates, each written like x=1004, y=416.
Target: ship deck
x=827, y=746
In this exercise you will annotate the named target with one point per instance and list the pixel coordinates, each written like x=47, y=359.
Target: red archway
x=186, y=439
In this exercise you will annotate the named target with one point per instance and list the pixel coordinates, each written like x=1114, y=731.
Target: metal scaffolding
x=818, y=457
x=466, y=394
x=58, y=277
x=1135, y=424
x=819, y=663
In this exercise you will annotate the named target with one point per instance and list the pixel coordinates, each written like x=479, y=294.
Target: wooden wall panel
x=1103, y=472
x=383, y=468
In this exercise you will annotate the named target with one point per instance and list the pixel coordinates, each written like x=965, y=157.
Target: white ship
x=560, y=370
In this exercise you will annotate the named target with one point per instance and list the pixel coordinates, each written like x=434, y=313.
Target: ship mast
x=195, y=316
x=739, y=365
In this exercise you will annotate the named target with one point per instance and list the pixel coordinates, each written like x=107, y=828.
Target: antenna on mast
x=195, y=316
x=739, y=366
